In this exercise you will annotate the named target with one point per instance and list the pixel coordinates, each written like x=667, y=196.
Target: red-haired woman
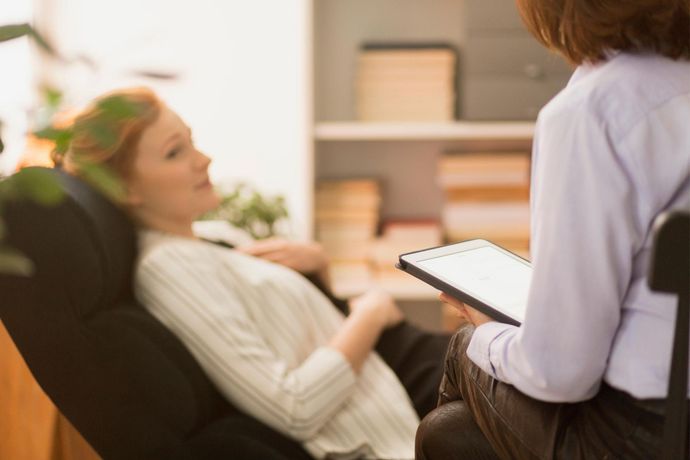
x=345, y=384
x=585, y=374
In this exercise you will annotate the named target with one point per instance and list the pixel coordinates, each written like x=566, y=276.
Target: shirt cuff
x=328, y=363
x=479, y=349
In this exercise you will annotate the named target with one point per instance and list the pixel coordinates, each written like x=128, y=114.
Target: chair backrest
x=670, y=273
x=121, y=378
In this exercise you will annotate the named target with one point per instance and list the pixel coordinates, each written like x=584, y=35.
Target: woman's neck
x=171, y=227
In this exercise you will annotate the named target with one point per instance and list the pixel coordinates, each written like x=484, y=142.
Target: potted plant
x=245, y=208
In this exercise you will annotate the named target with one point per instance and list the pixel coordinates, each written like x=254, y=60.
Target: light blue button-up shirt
x=611, y=152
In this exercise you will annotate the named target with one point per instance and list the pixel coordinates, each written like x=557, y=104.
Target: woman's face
x=169, y=183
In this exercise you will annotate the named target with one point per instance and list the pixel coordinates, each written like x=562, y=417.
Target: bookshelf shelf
x=403, y=290
x=406, y=158
x=400, y=131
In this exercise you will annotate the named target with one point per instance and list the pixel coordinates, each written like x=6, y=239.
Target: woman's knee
x=450, y=432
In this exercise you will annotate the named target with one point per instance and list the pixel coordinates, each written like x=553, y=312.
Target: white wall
x=244, y=87
x=16, y=88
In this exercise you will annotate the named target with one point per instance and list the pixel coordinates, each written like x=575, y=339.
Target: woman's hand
x=302, y=257
x=380, y=304
x=370, y=314
x=465, y=311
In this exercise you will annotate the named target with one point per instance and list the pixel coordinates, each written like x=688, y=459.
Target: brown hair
x=584, y=30
x=108, y=130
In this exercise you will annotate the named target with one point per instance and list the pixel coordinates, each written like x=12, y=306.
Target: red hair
x=108, y=130
x=584, y=30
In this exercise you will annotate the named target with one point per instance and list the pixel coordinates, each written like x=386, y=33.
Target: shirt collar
x=586, y=68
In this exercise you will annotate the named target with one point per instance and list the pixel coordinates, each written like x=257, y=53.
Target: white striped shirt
x=261, y=331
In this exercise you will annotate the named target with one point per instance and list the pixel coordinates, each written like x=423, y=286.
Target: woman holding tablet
x=585, y=374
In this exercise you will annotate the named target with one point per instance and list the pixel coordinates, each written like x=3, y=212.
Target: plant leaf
x=13, y=262
x=42, y=42
x=38, y=185
x=86, y=60
x=52, y=96
x=102, y=131
x=101, y=177
x=2, y=144
x=156, y=75
x=249, y=210
x=12, y=31
x=7, y=190
x=61, y=137
x=119, y=108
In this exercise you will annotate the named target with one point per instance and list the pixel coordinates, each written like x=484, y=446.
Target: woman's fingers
x=303, y=257
x=264, y=247
x=470, y=314
x=275, y=250
x=476, y=317
x=445, y=298
x=455, y=303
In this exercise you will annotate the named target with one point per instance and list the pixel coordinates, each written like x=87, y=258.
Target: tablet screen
x=488, y=275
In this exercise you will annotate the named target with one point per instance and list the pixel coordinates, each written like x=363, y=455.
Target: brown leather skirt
x=512, y=425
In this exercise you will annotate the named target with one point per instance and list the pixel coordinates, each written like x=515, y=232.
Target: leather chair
x=450, y=430
x=669, y=272
x=119, y=376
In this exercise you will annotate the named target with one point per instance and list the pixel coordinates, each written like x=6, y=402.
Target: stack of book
x=399, y=237
x=347, y=216
x=486, y=196
x=406, y=83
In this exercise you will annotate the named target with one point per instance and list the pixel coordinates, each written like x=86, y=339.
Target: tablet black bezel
x=440, y=284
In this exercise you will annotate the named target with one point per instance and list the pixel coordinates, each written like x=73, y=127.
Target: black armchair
x=121, y=378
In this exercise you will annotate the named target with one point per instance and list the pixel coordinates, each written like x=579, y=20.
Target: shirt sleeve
x=187, y=295
x=584, y=235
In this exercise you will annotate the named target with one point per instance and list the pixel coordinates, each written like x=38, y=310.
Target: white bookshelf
x=402, y=156
x=399, y=131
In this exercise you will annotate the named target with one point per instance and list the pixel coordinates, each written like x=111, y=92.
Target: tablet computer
x=485, y=276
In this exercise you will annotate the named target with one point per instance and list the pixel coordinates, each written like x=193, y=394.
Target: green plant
x=249, y=210
x=30, y=184
x=35, y=184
